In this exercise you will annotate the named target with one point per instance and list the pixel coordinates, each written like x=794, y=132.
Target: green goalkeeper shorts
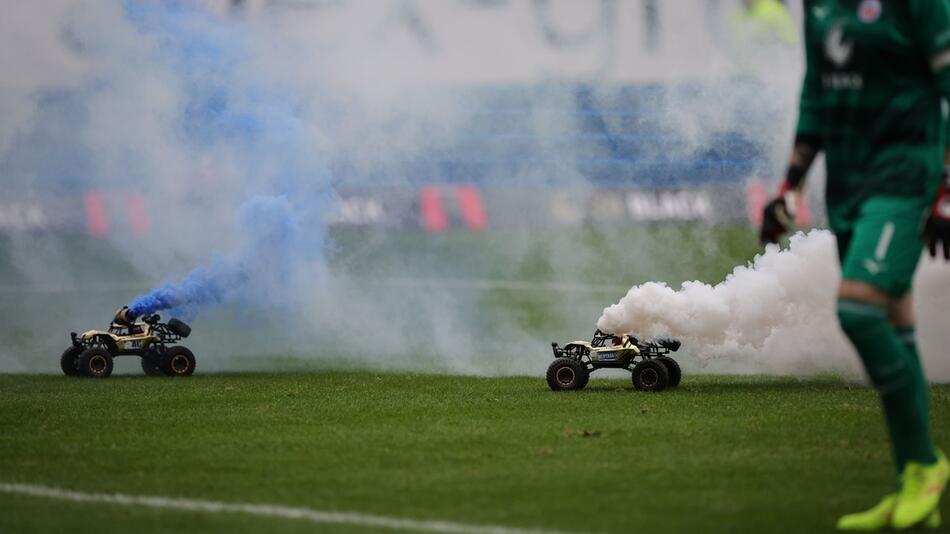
x=879, y=241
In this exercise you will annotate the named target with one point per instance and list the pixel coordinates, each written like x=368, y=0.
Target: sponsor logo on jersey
x=869, y=10
x=837, y=49
x=844, y=81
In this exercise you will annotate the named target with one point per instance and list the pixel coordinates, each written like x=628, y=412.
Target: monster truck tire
x=650, y=375
x=179, y=327
x=673, y=369
x=95, y=362
x=567, y=374
x=151, y=366
x=69, y=361
x=178, y=361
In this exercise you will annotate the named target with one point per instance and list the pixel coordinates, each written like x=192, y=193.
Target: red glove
x=937, y=227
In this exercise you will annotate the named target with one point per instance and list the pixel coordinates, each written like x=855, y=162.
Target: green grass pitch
x=719, y=454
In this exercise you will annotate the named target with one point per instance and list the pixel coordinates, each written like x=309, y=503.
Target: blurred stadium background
x=502, y=168
x=469, y=181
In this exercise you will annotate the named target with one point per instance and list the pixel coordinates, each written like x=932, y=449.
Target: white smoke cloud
x=776, y=314
x=931, y=295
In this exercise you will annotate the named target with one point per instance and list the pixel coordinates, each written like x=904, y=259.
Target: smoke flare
x=262, y=265
x=776, y=314
x=251, y=130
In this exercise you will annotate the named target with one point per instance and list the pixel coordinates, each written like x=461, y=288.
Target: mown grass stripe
x=270, y=510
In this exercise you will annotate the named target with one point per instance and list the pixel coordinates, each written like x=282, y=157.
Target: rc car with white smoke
x=651, y=367
x=92, y=352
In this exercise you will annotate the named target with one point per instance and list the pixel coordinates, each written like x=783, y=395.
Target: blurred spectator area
x=641, y=96
x=566, y=135
x=538, y=141
x=646, y=136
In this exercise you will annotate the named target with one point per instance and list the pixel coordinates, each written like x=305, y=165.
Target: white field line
x=267, y=510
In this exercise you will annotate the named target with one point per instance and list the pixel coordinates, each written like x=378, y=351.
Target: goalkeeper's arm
x=779, y=214
x=932, y=18
x=937, y=226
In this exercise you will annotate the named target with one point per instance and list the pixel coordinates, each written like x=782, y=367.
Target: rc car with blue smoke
x=649, y=362
x=92, y=352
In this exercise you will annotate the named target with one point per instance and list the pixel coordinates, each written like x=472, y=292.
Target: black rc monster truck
x=648, y=361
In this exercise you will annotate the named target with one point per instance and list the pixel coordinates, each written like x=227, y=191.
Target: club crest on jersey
x=837, y=49
x=870, y=10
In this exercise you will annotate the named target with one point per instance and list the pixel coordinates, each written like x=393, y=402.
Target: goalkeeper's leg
x=879, y=260
x=878, y=263
x=897, y=376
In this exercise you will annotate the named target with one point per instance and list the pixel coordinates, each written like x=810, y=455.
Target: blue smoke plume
x=262, y=265
x=260, y=129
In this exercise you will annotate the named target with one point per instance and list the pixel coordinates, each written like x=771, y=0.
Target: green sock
x=908, y=336
x=897, y=376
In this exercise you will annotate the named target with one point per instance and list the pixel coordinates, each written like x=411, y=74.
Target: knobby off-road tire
x=151, y=366
x=95, y=362
x=178, y=327
x=178, y=361
x=69, y=361
x=567, y=374
x=673, y=369
x=650, y=375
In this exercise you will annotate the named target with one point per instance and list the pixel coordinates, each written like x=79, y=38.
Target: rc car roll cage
x=646, y=350
x=164, y=334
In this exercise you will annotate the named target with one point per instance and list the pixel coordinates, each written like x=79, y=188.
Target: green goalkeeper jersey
x=877, y=74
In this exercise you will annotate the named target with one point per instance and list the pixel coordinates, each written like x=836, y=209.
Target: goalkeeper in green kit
x=877, y=74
